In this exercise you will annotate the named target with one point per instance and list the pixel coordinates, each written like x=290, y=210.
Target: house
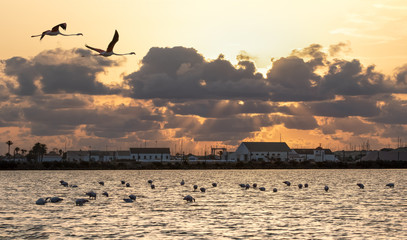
x=75, y=156
x=318, y=155
x=123, y=155
x=150, y=154
x=385, y=156
x=107, y=156
x=262, y=151
x=52, y=157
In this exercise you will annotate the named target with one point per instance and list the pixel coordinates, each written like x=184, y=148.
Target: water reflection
x=226, y=211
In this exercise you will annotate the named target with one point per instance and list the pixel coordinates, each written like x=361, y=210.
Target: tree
x=16, y=150
x=23, y=151
x=9, y=143
x=39, y=150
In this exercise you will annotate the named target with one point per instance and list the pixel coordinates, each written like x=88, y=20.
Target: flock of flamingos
x=106, y=53
x=131, y=198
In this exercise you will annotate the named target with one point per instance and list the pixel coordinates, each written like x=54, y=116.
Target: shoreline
x=199, y=166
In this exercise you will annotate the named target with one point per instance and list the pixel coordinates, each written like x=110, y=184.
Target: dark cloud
x=58, y=71
x=63, y=115
x=351, y=124
x=222, y=108
x=401, y=75
x=10, y=116
x=350, y=106
x=25, y=73
x=349, y=78
x=182, y=73
x=218, y=129
x=316, y=57
x=293, y=79
x=392, y=112
x=299, y=122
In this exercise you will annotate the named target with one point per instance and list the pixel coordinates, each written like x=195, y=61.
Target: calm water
x=224, y=212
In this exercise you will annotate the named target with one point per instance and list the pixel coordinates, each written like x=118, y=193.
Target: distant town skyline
x=205, y=73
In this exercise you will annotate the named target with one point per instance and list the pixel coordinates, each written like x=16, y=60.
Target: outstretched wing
x=113, y=42
x=95, y=49
x=62, y=25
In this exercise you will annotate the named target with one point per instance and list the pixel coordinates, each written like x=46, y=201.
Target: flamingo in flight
x=55, y=31
x=109, y=51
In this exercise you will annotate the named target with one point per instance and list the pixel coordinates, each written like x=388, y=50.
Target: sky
x=205, y=74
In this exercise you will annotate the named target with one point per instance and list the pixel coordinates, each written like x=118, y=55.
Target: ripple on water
x=224, y=212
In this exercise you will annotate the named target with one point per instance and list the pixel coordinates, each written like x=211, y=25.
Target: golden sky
x=206, y=73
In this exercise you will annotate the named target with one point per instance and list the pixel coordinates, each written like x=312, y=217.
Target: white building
x=150, y=154
x=52, y=157
x=262, y=151
x=123, y=155
x=107, y=156
x=76, y=156
x=318, y=155
x=385, y=156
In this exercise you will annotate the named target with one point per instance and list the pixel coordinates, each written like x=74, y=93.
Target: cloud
x=392, y=112
x=335, y=49
x=293, y=79
x=182, y=73
x=222, y=108
x=350, y=124
x=58, y=71
x=350, y=106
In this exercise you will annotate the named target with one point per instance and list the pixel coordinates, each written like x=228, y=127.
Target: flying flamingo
x=55, y=31
x=109, y=51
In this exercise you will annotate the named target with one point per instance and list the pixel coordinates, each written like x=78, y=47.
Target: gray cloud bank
x=206, y=100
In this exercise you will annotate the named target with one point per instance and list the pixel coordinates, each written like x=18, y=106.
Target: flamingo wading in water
x=109, y=51
x=55, y=31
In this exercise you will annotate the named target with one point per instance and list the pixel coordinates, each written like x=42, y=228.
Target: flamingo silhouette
x=81, y=201
x=42, y=201
x=109, y=51
x=391, y=185
x=189, y=198
x=56, y=199
x=55, y=31
x=91, y=194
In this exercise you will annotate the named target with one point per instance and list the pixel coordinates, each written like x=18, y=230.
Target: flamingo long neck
x=74, y=34
x=122, y=54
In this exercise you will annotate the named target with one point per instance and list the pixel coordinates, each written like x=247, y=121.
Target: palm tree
x=9, y=143
x=39, y=150
x=16, y=150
